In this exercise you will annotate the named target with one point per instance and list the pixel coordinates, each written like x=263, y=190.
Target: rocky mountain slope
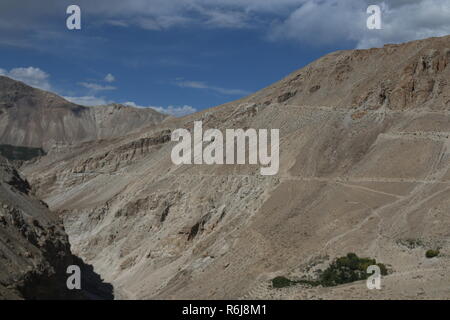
x=35, y=118
x=34, y=249
x=364, y=168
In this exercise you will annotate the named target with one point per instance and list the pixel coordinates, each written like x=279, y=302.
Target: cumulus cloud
x=32, y=76
x=170, y=110
x=331, y=22
x=321, y=22
x=109, y=78
x=180, y=82
x=313, y=22
x=404, y=21
x=88, y=101
x=317, y=22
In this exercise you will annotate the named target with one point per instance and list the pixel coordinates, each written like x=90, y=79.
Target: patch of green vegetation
x=282, y=282
x=20, y=153
x=432, y=253
x=342, y=270
x=347, y=269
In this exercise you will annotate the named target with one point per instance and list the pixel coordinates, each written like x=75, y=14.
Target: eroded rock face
x=34, y=248
x=406, y=76
x=364, y=165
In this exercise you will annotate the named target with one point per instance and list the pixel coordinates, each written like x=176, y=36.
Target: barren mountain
x=35, y=118
x=364, y=168
x=34, y=249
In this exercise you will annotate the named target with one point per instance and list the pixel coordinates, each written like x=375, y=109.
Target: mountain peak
x=35, y=118
x=398, y=76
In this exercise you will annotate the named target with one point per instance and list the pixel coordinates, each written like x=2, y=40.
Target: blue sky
x=185, y=55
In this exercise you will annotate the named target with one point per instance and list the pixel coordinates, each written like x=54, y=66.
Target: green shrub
x=431, y=253
x=342, y=270
x=307, y=282
x=282, y=282
x=347, y=269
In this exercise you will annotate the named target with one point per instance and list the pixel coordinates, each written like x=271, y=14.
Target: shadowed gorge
x=34, y=249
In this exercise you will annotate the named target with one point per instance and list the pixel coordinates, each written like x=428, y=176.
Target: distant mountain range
x=35, y=118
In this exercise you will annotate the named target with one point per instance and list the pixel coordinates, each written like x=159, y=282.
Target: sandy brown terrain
x=364, y=168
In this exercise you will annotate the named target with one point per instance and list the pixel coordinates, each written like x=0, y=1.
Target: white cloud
x=317, y=22
x=311, y=22
x=176, y=111
x=149, y=14
x=32, y=76
x=411, y=20
x=202, y=85
x=332, y=22
x=321, y=22
x=96, y=87
x=219, y=18
x=170, y=110
x=109, y=78
x=88, y=101
x=132, y=104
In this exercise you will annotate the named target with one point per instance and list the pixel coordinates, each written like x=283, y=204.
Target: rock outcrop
x=34, y=248
x=401, y=76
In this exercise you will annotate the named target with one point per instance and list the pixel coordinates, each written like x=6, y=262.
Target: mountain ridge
x=35, y=118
